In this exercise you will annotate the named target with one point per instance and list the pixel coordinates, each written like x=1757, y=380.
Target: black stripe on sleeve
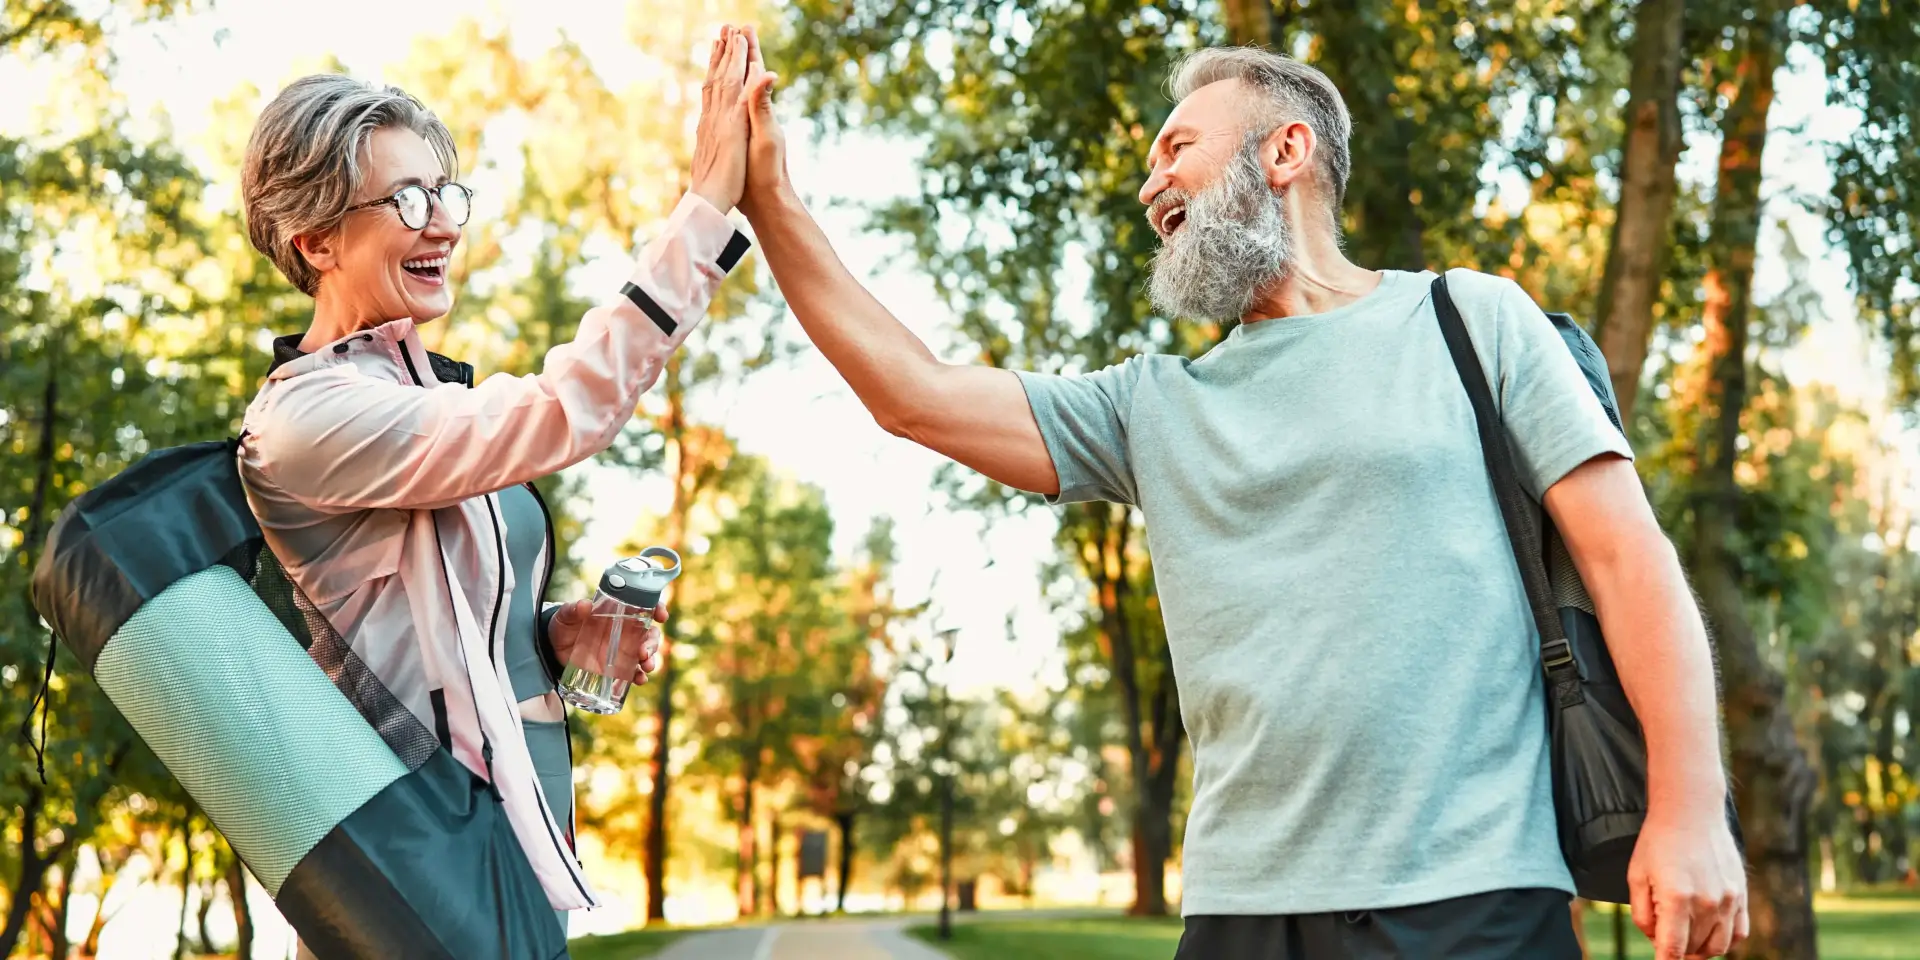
x=654, y=311
x=736, y=248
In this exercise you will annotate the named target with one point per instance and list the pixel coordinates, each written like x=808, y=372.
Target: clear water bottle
x=603, y=660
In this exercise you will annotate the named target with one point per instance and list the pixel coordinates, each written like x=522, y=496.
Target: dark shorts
x=1503, y=925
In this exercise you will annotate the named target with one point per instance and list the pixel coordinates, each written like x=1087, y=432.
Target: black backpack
x=1599, y=751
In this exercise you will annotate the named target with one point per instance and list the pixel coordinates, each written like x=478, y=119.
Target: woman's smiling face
x=373, y=264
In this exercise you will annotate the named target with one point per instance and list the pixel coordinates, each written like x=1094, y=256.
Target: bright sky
x=802, y=416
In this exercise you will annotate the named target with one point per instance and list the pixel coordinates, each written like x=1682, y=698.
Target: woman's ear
x=321, y=250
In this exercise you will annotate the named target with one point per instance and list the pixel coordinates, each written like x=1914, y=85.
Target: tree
x=1868, y=49
x=1774, y=784
x=835, y=769
x=773, y=648
x=81, y=363
x=1642, y=226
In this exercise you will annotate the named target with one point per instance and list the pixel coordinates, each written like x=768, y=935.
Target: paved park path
x=877, y=939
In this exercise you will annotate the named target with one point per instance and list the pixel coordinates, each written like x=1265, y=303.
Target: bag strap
x=1523, y=533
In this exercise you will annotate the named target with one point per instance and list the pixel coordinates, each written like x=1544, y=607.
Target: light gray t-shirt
x=1358, y=672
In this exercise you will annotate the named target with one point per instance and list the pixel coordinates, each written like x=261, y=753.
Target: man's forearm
x=1659, y=646
x=879, y=357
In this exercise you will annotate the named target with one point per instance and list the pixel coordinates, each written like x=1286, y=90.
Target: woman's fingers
x=733, y=71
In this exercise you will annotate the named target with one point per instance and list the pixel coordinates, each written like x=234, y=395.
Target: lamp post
x=946, y=792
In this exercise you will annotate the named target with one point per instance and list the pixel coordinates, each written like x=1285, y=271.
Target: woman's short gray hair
x=303, y=163
x=1293, y=92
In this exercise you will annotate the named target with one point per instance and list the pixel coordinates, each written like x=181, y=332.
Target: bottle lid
x=638, y=581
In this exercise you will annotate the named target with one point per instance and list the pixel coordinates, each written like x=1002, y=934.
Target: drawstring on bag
x=43, y=700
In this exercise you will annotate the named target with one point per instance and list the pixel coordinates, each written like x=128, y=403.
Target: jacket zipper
x=446, y=576
x=486, y=746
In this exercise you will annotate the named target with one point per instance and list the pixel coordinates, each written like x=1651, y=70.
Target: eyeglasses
x=415, y=204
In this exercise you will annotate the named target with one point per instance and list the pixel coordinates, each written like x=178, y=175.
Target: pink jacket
x=375, y=484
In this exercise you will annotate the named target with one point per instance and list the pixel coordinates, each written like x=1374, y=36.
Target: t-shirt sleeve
x=1083, y=419
x=1551, y=413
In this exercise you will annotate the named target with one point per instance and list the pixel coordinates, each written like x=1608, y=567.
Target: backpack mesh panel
x=225, y=698
x=1568, y=589
x=409, y=739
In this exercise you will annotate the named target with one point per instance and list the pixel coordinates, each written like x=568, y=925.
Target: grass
x=1877, y=925
x=1869, y=925
x=623, y=946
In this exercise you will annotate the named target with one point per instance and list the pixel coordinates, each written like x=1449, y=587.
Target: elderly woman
x=395, y=492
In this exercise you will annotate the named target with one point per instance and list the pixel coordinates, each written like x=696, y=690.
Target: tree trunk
x=773, y=873
x=90, y=947
x=205, y=944
x=242, y=912
x=1643, y=218
x=656, y=842
x=55, y=904
x=1153, y=728
x=1248, y=21
x=31, y=873
x=33, y=864
x=1892, y=831
x=844, y=820
x=744, y=892
x=1773, y=782
x=186, y=885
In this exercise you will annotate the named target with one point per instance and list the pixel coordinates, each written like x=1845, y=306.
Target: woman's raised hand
x=720, y=141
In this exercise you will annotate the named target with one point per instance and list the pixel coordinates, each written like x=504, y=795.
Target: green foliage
x=1869, y=50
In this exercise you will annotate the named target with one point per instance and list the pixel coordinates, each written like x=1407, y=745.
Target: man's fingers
x=1710, y=922
x=1640, y=893
x=1673, y=928
x=660, y=612
x=1717, y=940
x=757, y=96
x=753, y=46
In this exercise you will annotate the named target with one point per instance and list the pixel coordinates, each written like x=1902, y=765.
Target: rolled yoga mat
x=253, y=729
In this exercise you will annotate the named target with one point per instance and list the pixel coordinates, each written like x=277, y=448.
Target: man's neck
x=1321, y=278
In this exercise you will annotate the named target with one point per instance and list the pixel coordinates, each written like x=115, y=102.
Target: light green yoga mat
x=228, y=700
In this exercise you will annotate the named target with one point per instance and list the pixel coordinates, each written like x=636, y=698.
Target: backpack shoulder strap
x=1516, y=507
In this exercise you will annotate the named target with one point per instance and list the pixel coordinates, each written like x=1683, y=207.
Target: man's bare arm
x=1687, y=880
x=976, y=415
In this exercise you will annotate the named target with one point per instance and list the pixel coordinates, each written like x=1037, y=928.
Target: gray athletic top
x=546, y=741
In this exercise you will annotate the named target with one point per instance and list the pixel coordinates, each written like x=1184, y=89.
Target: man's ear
x=1287, y=155
x=321, y=250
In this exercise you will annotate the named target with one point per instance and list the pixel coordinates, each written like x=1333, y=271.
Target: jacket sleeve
x=337, y=441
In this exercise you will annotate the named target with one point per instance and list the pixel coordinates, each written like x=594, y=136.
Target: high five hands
x=740, y=153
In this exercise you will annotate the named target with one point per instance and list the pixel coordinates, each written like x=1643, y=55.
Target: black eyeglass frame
x=433, y=196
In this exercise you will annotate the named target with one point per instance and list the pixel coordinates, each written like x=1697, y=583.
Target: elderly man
x=1357, y=667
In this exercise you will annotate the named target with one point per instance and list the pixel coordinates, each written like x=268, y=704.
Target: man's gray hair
x=1291, y=91
x=303, y=164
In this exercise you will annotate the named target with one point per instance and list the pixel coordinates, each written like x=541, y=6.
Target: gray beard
x=1236, y=243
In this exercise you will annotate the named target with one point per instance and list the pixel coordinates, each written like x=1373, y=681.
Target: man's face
x=1224, y=233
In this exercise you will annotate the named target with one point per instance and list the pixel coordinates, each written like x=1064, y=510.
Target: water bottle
x=601, y=664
